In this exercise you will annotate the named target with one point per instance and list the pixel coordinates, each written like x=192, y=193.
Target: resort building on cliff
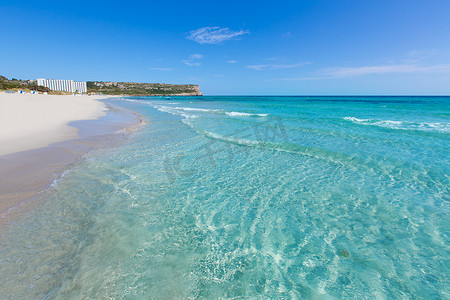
x=63, y=85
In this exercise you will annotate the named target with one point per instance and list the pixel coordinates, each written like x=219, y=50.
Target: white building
x=63, y=85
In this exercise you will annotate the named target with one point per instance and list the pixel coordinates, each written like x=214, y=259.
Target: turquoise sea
x=248, y=198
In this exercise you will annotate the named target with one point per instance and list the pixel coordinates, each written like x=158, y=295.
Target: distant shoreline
x=68, y=87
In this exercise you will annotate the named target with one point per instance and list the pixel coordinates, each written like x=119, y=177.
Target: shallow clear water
x=249, y=197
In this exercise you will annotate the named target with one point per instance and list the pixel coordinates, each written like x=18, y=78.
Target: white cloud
x=232, y=61
x=195, y=56
x=192, y=61
x=426, y=53
x=214, y=35
x=332, y=73
x=298, y=78
x=384, y=69
x=275, y=58
x=274, y=66
x=161, y=69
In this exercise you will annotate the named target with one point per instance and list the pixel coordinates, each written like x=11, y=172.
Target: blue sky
x=351, y=47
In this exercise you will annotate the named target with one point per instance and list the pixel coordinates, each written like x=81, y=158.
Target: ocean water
x=248, y=198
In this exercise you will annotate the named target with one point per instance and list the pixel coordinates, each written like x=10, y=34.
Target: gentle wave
x=55, y=182
x=195, y=109
x=337, y=158
x=174, y=111
x=238, y=141
x=318, y=153
x=223, y=138
x=242, y=114
x=403, y=125
x=180, y=111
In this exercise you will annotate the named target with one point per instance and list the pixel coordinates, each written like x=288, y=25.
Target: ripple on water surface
x=281, y=198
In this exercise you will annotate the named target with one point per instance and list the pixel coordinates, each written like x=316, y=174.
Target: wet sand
x=27, y=175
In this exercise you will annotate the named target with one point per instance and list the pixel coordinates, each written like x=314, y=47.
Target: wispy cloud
x=347, y=72
x=274, y=66
x=275, y=58
x=195, y=56
x=423, y=54
x=192, y=61
x=287, y=35
x=214, y=35
x=232, y=61
x=383, y=69
x=162, y=69
x=297, y=78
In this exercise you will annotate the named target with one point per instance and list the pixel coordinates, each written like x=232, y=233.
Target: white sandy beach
x=33, y=121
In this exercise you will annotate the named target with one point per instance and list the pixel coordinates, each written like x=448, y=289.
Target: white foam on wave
x=186, y=116
x=55, y=182
x=129, y=100
x=403, y=125
x=180, y=111
x=166, y=109
x=196, y=109
x=356, y=120
x=242, y=114
x=174, y=111
x=216, y=136
x=239, y=141
x=257, y=143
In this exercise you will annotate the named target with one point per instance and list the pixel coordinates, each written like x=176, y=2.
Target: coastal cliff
x=143, y=89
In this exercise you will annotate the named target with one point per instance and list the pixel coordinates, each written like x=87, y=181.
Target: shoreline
x=28, y=175
x=34, y=121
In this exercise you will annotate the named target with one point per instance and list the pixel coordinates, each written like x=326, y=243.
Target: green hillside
x=18, y=84
x=142, y=89
x=110, y=88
